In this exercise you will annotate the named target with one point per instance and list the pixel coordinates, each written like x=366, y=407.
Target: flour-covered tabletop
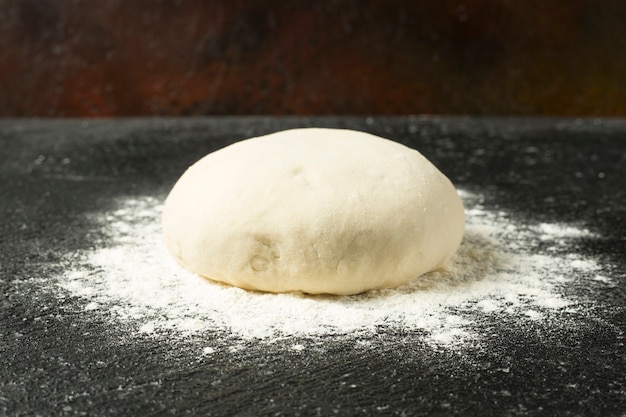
x=527, y=319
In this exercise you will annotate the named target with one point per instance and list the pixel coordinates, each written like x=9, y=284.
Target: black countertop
x=57, y=358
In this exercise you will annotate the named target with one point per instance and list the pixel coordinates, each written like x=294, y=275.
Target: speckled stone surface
x=58, y=359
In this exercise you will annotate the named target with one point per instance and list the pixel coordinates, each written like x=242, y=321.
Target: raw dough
x=313, y=210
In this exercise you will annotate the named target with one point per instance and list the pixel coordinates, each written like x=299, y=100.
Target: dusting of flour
x=502, y=267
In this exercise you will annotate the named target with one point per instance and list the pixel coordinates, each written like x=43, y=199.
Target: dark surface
x=57, y=360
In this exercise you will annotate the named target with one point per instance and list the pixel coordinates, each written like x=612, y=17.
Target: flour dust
x=503, y=267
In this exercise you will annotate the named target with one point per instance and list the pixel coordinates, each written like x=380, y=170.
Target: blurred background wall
x=167, y=57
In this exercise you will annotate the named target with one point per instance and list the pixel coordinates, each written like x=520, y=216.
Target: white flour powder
x=499, y=270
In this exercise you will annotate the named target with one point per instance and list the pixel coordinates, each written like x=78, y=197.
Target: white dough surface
x=313, y=210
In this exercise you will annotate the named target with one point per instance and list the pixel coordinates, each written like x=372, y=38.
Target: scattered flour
x=498, y=270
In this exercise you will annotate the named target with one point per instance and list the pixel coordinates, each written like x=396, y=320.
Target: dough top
x=313, y=210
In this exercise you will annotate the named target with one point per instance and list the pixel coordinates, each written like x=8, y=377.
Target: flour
x=498, y=270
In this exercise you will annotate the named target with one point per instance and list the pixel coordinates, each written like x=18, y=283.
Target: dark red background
x=126, y=58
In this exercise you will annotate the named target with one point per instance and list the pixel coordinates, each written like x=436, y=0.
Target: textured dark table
x=57, y=360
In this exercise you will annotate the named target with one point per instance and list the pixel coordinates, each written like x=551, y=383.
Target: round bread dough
x=313, y=210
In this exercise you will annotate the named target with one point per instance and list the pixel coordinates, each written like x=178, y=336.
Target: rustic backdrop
x=168, y=57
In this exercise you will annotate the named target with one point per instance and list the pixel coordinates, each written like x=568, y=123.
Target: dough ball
x=313, y=210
